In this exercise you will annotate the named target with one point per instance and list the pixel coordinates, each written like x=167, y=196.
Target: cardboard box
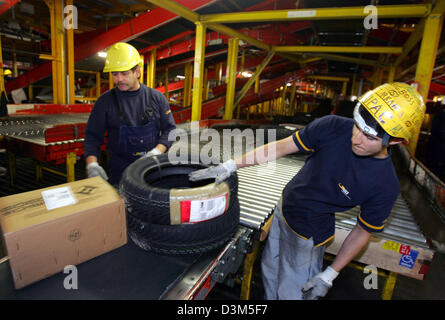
x=47, y=229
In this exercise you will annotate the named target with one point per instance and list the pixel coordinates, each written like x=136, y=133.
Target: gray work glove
x=219, y=172
x=151, y=153
x=319, y=285
x=94, y=170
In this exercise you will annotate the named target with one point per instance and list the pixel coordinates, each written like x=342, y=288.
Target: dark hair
x=134, y=69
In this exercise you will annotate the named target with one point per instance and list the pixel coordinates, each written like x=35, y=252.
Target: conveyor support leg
x=249, y=262
x=70, y=166
x=389, y=286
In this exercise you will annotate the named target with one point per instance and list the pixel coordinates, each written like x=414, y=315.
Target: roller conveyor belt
x=33, y=128
x=260, y=188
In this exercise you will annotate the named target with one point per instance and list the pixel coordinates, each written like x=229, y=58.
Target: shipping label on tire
x=194, y=211
x=199, y=204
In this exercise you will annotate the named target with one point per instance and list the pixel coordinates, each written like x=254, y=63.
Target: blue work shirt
x=104, y=118
x=334, y=179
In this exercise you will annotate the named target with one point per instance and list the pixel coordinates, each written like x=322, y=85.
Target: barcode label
x=201, y=210
x=58, y=197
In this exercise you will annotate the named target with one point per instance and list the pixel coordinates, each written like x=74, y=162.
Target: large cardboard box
x=47, y=229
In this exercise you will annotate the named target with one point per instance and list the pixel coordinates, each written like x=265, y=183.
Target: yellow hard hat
x=397, y=107
x=122, y=57
x=7, y=72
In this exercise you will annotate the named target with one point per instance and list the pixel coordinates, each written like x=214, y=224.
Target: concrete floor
x=349, y=285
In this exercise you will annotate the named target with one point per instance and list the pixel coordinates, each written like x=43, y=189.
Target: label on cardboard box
x=58, y=197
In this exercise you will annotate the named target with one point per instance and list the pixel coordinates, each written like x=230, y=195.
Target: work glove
x=220, y=172
x=95, y=170
x=319, y=285
x=151, y=153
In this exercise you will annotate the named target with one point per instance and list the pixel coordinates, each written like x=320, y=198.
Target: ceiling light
x=102, y=54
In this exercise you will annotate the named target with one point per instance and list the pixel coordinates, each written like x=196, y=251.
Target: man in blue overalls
x=136, y=118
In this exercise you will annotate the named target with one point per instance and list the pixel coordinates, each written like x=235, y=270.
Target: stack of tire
x=145, y=187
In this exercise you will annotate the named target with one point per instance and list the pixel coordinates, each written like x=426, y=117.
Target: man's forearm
x=356, y=240
x=267, y=152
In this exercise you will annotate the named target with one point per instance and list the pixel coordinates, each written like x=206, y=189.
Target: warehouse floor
x=348, y=285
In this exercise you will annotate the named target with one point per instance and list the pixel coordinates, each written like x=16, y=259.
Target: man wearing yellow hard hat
x=349, y=164
x=136, y=118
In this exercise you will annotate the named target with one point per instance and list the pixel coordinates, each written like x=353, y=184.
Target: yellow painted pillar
x=205, y=86
x=344, y=88
x=60, y=52
x=70, y=60
x=57, y=56
x=31, y=93
x=232, y=59
x=292, y=98
x=188, y=70
x=391, y=73
x=219, y=68
x=97, y=84
x=151, y=74
x=425, y=63
x=2, y=79
x=141, y=79
x=198, y=73
x=282, y=104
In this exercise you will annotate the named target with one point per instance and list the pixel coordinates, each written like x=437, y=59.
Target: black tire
x=146, y=183
x=184, y=239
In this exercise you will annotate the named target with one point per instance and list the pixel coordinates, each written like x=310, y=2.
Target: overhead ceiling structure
x=337, y=39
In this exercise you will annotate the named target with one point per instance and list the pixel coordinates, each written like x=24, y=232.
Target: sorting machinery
x=132, y=273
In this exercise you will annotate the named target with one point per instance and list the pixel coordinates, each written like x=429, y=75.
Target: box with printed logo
x=47, y=229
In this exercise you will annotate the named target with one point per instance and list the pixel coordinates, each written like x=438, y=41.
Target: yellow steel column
x=198, y=71
x=206, y=85
x=344, y=88
x=219, y=68
x=2, y=79
x=391, y=73
x=151, y=72
x=70, y=60
x=30, y=92
x=425, y=62
x=50, y=5
x=232, y=59
x=59, y=52
x=71, y=159
x=97, y=85
x=141, y=79
x=188, y=70
x=292, y=98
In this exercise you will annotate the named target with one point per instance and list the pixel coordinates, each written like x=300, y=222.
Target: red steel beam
x=6, y=4
x=125, y=32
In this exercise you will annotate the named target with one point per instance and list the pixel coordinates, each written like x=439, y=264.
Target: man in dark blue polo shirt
x=349, y=164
